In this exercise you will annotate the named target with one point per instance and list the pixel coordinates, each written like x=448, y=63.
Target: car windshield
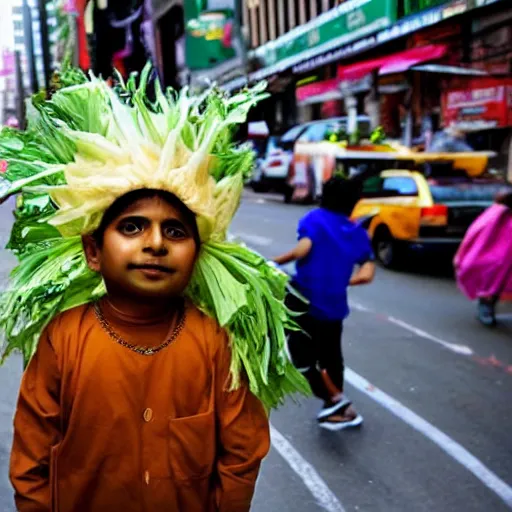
x=293, y=133
x=272, y=145
x=445, y=190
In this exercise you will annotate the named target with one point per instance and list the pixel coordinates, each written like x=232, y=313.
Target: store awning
x=391, y=64
x=450, y=70
x=319, y=92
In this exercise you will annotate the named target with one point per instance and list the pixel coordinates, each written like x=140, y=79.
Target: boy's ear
x=92, y=252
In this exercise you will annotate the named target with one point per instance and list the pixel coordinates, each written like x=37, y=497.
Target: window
x=372, y=187
x=452, y=190
x=400, y=186
x=292, y=133
x=287, y=141
x=315, y=133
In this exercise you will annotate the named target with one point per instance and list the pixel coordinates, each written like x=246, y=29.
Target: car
x=422, y=211
x=314, y=157
x=272, y=171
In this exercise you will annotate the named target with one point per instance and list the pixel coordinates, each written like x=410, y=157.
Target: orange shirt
x=100, y=428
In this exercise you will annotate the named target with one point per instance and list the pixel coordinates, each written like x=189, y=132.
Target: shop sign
x=348, y=21
x=483, y=105
x=402, y=28
x=208, y=39
x=208, y=34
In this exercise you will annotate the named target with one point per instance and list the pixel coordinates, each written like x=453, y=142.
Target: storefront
x=319, y=100
x=483, y=104
x=169, y=41
x=483, y=107
x=351, y=20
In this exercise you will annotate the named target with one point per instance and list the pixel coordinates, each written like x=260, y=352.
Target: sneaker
x=332, y=409
x=349, y=419
x=486, y=313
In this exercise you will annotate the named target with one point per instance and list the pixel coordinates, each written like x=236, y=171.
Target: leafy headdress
x=89, y=145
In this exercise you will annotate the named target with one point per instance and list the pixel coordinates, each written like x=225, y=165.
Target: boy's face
x=148, y=251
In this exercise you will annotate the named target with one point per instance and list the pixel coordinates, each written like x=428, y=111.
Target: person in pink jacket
x=483, y=263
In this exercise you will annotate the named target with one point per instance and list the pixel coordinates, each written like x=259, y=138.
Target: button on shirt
x=324, y=275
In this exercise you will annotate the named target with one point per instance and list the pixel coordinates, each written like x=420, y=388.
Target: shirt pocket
x=192, y=446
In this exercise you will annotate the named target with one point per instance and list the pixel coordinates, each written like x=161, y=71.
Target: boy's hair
x=341, y=195
x=126, y=200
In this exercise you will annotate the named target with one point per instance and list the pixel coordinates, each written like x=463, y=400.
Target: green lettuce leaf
x=246, y=295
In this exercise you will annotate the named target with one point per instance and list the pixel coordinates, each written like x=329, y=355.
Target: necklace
x=145, y=351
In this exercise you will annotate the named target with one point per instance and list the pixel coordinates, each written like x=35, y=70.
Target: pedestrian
x=330, y=247
x=483, y=263
x=137, y=396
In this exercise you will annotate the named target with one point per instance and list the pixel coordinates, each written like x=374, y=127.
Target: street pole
x=45, y=42
x=28, y=36
x=20, y=92
x=240, y=37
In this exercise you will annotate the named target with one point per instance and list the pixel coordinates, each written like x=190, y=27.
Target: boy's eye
x=130, y=228
x=174, y=232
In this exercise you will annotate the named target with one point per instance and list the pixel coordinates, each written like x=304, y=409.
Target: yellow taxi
x=426, y=208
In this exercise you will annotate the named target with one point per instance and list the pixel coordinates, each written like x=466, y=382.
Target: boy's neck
x=144, y=309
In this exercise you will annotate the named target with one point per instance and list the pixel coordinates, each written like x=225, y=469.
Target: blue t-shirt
x=324, y=275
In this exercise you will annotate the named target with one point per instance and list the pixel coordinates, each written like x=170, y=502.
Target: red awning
x=318, y=92
x=396, y=63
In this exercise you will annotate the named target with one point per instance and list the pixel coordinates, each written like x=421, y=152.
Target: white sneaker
x=341, y=425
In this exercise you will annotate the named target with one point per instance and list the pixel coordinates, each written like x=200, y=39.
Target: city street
x=434, y=387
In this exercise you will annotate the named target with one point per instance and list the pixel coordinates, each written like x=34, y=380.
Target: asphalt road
x=434, y=387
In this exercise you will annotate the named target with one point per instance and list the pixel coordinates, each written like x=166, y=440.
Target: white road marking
x=458, y=349
x=443, y=441
x=359, y=307
x=312, y=480
x=252, y=239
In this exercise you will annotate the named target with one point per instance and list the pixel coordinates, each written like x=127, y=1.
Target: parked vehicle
x=258, y=138
x=314, y=157
x=262, y=180
x=427, y=207
x=272, y=170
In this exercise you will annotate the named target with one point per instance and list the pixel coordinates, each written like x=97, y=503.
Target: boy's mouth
x=151, y=267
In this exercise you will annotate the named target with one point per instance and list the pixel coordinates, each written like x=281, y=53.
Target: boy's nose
x=156, y=241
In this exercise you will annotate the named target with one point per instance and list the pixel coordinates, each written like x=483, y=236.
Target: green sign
x=208, y=34
x=347, y=22
x=414, y=6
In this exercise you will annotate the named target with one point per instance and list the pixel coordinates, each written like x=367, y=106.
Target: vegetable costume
x=87, y=146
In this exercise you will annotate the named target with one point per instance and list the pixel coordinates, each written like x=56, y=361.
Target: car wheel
x=386, y=249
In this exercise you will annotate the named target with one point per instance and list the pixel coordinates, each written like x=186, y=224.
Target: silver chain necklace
x=145, y=351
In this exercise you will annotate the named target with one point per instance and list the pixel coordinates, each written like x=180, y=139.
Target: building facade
x=20, y=43
x=414, y=66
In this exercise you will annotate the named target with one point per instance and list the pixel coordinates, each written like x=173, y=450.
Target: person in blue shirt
x=332, y=254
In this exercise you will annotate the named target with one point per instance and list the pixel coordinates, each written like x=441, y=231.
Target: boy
x=329, y=248
x=133, y=399
x=124, y=405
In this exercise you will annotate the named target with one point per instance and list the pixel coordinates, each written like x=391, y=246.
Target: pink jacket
x=483, y=263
